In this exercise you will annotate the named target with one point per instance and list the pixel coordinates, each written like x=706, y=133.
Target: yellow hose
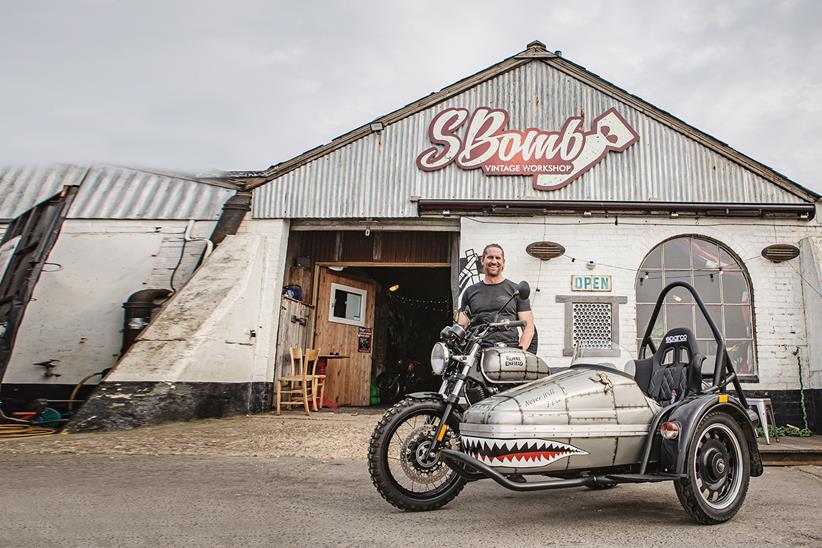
x=12, y=431
x=79, y=385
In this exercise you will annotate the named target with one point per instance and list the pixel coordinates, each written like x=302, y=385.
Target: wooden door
x=348, y=381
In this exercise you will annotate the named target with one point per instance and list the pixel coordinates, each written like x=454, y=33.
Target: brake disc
x=414, y=462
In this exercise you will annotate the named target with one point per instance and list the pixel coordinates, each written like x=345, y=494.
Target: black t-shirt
x=481, y=301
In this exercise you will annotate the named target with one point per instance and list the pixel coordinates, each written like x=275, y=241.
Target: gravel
x=325, y=435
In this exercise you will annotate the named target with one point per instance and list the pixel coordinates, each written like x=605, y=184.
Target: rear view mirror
x=523, y=290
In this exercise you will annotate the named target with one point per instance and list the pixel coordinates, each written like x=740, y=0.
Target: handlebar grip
x=507, y=324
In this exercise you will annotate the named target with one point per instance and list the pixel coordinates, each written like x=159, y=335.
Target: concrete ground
x=269, y=481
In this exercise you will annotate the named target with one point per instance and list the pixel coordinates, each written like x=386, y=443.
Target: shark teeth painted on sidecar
x=598, y=414
x=522, y=453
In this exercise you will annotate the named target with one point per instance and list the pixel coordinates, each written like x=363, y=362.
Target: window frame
x=719, y=271
x=348, y=289
x=570, y=300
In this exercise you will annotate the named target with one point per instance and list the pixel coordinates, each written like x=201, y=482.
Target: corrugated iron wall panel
x=21, y=188
x=114, y=193
x=376, y=175
x=111, y=193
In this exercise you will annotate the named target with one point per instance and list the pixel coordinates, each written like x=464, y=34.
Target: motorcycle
x=398, y=381
x=669, y=416
x=404, y=453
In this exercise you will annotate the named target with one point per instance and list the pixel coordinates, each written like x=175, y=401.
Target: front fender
x=457, y=408
x=425, y=396
x=673, y=455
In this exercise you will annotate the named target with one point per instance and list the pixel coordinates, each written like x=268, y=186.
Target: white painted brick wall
x=619, y=249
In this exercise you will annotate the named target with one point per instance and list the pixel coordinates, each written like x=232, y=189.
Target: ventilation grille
x=780, y=252
x=545, y=250
x=592, y=325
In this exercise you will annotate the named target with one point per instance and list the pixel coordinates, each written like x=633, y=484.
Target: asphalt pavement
x=183, y=500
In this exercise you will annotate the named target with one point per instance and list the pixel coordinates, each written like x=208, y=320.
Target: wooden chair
x=312, y=358
x=294, y=384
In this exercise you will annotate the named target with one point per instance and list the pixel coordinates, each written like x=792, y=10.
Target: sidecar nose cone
x=497, y=410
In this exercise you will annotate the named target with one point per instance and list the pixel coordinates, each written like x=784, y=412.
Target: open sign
x=591, y=282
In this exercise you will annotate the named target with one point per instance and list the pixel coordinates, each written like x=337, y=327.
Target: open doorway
x=385, y=319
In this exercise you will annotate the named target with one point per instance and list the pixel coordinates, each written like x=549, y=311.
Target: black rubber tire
x=601, y=486
x=389, y=385
x=687, y=489
x=378, y=467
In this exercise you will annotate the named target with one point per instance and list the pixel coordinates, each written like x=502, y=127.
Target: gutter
x=803, y=212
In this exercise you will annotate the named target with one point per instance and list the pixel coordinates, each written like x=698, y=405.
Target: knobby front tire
x=395, y=461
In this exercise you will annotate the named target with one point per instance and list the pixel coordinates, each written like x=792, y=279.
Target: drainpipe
x=138, y=310
x=234, y=211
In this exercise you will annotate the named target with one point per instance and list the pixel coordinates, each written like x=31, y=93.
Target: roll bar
x=722, y=364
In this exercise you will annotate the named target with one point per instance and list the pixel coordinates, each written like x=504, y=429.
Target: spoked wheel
x=719, y=470
x=405, y=473
x=389, y=385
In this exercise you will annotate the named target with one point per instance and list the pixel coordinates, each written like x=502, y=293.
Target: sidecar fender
x=673, y=454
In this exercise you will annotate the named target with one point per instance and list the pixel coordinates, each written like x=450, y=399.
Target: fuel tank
x=502, y=365
x=589, y=416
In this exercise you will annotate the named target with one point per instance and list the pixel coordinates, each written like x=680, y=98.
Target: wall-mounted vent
x=545, y=250
x=778, y=253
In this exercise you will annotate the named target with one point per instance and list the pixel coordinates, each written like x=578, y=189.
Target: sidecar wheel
x=718, y=468
x=396, y=457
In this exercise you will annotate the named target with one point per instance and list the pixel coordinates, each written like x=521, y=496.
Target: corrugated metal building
x=81, y=241
x=373, y=236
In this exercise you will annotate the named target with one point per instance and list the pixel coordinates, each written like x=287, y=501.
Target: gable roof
x=109, y=192
x=535, y=52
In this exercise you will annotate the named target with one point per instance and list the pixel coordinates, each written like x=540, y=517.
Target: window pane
x=703, y=331
x=741, y=354
x=353, y=307
x=708, y=349
x=677, y=254
x=704, y=254
x=347, y=305
x=654, y=259
x=680, y=294
x=643, y=314
x=737, y=321
x=678, y=315
x=726, y=261
x=649, y=286
x=735, y=287
x=707, y=285
x=339, y=303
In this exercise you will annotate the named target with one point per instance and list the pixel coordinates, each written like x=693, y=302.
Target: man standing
x=480, y=302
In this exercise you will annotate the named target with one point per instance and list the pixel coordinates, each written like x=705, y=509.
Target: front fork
x=451, y=400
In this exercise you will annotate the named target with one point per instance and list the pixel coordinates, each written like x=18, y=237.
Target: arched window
x=721, y=282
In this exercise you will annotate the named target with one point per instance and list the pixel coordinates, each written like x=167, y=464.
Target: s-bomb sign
x=553, y=158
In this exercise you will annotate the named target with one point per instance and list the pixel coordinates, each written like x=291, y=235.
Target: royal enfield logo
x=514, y=361
x=554, y=158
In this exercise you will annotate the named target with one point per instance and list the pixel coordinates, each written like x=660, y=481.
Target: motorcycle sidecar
x=663, y=419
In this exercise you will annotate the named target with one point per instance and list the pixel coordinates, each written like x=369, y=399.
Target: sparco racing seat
x=674, y=370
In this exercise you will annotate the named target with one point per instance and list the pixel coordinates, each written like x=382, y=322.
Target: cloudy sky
x=200, y=85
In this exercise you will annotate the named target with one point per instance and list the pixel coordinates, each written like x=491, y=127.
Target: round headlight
x=439, y=358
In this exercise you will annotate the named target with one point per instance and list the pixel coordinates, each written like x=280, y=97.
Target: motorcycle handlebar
x=506, y=324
